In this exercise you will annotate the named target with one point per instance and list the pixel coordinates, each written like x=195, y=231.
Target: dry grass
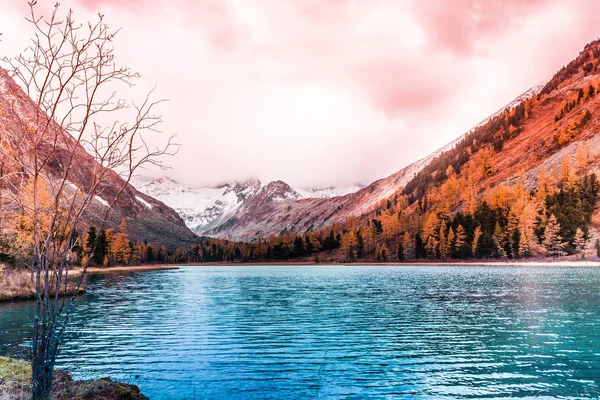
x=15, y=284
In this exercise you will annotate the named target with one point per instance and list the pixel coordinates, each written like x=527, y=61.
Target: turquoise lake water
x=335, y=332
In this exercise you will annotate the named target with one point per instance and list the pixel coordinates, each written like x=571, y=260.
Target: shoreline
x=453, y=263
x=18, y=286
x=124, y=268
x=18, y=292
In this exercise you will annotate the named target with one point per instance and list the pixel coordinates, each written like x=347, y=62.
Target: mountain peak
x=279, y=190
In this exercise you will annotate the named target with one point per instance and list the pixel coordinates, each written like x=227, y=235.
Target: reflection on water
x=335, y=332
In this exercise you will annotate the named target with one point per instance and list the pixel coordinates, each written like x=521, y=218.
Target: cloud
x=461, y=24
x=332, y=91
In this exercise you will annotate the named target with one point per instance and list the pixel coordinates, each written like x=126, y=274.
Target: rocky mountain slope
x=147, y=218
x=522, y=184
x=277, y=208
x=206, y=208
x=560, y=120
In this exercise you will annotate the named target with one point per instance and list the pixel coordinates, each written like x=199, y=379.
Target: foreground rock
x=15, y=384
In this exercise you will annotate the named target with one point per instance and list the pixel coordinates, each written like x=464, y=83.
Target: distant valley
x=205, y=209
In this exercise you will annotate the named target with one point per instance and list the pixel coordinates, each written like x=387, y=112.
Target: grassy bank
x=15, y=384
x=15, y=284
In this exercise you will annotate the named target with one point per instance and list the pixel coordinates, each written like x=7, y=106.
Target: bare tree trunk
x=69, y=72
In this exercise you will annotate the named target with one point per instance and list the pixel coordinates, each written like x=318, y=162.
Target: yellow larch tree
x=568, y=177
x=348, y=244
x=430, y=226
x=390, y=225
x=582, y=156
x=476, y=236
x=120, y=245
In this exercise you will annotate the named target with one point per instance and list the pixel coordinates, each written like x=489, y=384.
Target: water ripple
x=336, y=332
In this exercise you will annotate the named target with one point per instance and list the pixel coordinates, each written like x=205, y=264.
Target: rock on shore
x=15, y=384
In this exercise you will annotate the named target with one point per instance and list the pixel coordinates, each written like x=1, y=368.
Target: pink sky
x=329, y=92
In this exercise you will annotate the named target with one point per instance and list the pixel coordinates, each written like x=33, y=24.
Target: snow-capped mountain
x=260, y=217
x=208, y=208
x=248, y=210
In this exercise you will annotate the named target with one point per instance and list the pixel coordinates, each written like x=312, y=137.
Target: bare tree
x=69, y=72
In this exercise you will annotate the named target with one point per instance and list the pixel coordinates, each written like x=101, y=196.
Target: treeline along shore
x=16, y=284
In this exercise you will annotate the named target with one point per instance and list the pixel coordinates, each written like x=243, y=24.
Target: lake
x=288, y=332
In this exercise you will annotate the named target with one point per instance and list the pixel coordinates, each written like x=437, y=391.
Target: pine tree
x=499, y=240
x=586, y=117
x=400, y=252
x=461, y=238
x=443, y=243
x=299, y=249
x=579, y=242
x=360, y=245
x=101, y=250
x=450, y=242
x=91, y=240
x=309, y=246
x=476, y=236
x=552, y=239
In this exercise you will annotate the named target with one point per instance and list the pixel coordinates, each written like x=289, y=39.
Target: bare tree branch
x=70, y=73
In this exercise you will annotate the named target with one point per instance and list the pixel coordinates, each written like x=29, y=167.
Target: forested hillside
x=524, y=184
x=25, y=131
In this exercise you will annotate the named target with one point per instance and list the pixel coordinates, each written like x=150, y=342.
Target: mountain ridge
x=305, y=215
x=522, y=184
x=205, y=208
x=147, y=218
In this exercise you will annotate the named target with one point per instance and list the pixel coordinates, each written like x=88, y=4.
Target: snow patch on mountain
x=329, y=192
x=144, y=202
x=201, y=208
x=101, y=201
